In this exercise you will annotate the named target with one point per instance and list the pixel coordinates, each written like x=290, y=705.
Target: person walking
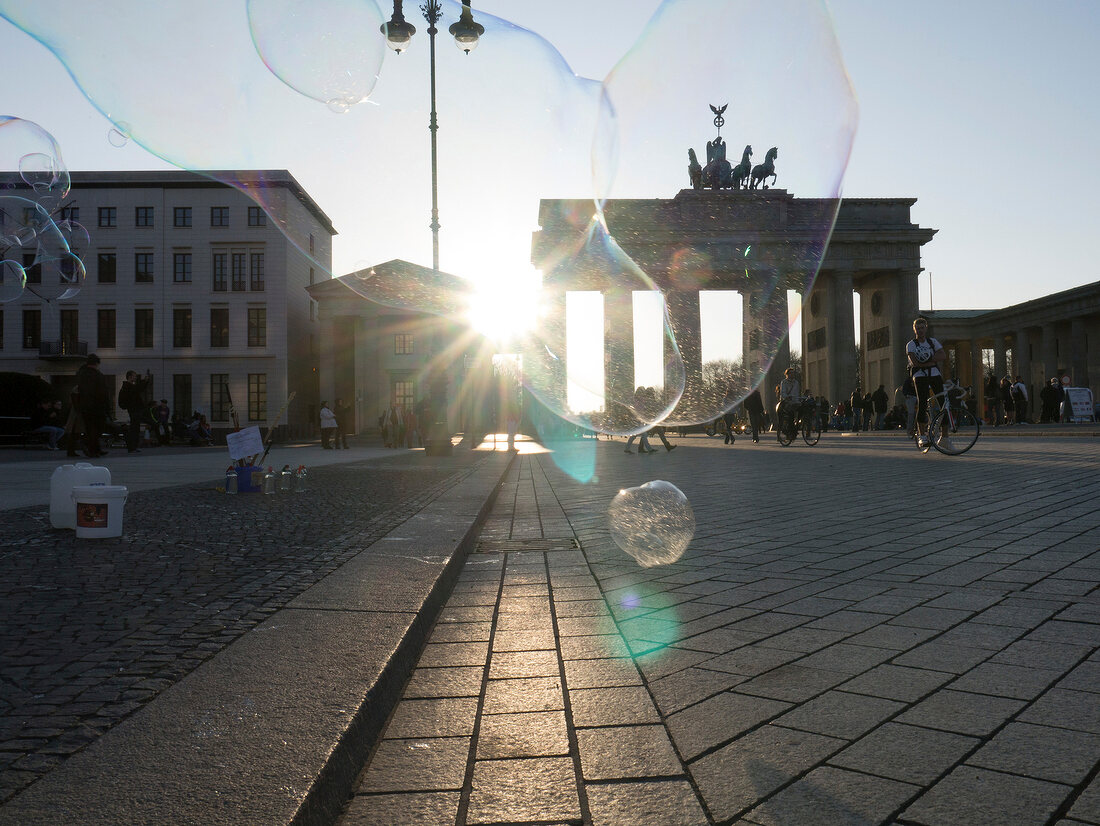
x=92, y=389
x=1019, y=400
x=328, y=425
x=754, y=406
x=880, y=402
x=131, y=399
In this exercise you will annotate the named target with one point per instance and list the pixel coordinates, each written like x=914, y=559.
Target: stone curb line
x=275, y=728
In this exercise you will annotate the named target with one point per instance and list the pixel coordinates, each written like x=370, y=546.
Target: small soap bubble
x=654, y=522
x=12, y=281
x=119, y=135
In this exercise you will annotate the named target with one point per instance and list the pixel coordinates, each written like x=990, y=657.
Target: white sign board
x=245, y=442
x=1080, y=404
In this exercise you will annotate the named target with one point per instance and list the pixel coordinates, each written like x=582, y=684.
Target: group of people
x=400, y=426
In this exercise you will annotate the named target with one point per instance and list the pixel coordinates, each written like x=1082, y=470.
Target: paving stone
x=1042, y=752
x=461, y=681
x=1067, y=709
x=829, y=796
x=528, y=694
x=665, y=661
x=958, y=711
x=1077, y=633
x=792, y=683
x=417, y=809
x=846, y=658
x=625, y=705
x=593, y=648
x=667, y=802
x=417, y=765
x=851, y=621
x=1085, y=677
x=927, y=617
x=447, y=717
x=978, y=797
x=840, y=714
x=585, y=626
x=896, y=682
x=524, y=640
x=908, y=753
x=943, y=656
x=1006, y=680
x=601, y=673
x=805, y=639
x=505, y=664
x=621, y=752
x=719, y=719
x=752, y=659
x=502, y=791
x=527, y=734
x=737, y=776
x=1041, y=654
x=1087, y=805
x=439, y=655
x=532, y=622
x=684, y=688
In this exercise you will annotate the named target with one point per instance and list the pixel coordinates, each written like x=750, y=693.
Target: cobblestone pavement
x=94, y=629
x=858, y=634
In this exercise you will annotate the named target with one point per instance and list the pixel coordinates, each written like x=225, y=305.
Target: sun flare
x=502, y=311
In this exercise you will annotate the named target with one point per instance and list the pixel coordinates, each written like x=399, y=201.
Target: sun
x=504, y=309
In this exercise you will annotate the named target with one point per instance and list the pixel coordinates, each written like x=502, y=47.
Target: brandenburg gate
x=760, y=243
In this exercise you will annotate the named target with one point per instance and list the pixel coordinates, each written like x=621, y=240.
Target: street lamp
x=466, y=32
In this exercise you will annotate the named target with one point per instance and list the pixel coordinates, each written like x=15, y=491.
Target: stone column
x=977, y=375
x=553, y=365
x=1078, y=343
x=907, y=308
x=841, y=342
x=775, y=334
x=683, y=314
x=1023, y=360
x=618, y=310
x=1000, y=356
x=327, y=361
x=1048, y=351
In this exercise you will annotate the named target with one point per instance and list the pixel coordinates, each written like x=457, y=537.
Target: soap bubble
x=654, y=523
x=12, y=280
x=783, y=97
x=119, y=135
x=30, y=148
x=31, y=235
x=328, y=50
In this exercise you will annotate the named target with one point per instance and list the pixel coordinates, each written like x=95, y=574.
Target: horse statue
x=695, y=171
x=766, y=170
x=717, y=172
x=740, y=174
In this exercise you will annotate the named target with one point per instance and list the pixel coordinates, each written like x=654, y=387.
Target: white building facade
x=189, y=279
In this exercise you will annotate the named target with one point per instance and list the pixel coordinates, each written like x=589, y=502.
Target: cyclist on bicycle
x=925, y=355
x=790, y=396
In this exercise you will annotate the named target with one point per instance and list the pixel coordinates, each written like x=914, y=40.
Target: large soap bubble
x=329, y=50
x=770, y=82
x=654, y=523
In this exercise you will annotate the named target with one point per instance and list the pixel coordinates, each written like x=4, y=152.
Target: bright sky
x=985, y=111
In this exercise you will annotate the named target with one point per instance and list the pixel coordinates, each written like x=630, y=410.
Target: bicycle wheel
x=954, y=431
x=811, y=430
x=786, y=433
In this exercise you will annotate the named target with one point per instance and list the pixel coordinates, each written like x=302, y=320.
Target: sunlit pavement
x=858, y=633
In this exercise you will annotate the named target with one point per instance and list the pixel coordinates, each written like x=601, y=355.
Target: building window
x=257, y=272
x=219, y=326
x=220, y=280
x=257, y=217
x=143, y=267
x=70, y=331
x=219, y=397
x=257, y=326
x=238, y=271
x=33, y=270
x=143, y=216
x=311, y=243
x=181, y=217
x=143, y=327
x=257, y=397
x=403, y=344
x=70, y=265
x=219, y=216
x=107, y=267
x=311, y=276
x=403, y=393
x=32, y=329
x=105, y=328
x=108, y=217
x=181, y=327
x=70, y=213
x=181, y=267
x=181, y=394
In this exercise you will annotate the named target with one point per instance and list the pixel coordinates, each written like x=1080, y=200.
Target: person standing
x=855, y=407
x=754, y=406
x=92, y=390
x=908, y=392
x=925, y=355
x=328, y=425
x=162, y=417
x=131, y=398
x=880, y=402
x=343, y=424
x=1049, y=398
x=1019, y=400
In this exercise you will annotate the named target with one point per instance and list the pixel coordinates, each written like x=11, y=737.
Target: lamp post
x=466, y=32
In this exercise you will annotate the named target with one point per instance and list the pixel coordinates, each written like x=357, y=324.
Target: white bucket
x=62, y=482
x=98, y=510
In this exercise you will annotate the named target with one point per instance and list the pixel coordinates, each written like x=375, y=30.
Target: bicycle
x=953, y=429
x=804, y=421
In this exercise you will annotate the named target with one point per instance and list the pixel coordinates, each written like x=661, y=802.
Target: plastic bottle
x=286, y=477
x=231, y=480
x=269, y=481
x=300, y=479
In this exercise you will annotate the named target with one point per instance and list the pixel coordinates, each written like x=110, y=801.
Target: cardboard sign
x=1080, y=404
x=246, y=442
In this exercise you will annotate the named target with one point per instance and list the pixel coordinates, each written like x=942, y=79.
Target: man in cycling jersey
x=925, y=355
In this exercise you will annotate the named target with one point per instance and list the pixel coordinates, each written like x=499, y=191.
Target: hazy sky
x=985, y=112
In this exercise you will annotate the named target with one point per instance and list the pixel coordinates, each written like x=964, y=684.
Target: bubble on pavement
x=654, y=522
